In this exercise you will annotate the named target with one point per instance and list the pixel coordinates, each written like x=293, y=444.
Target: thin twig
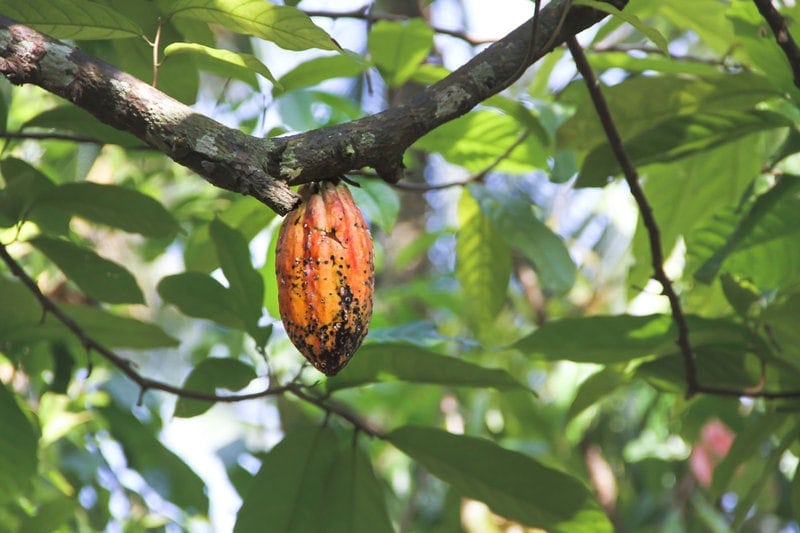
x=654, y=50
x=337, y=409
x=57, y=136
x=126, y=366
x=425, y=187
x=645, y=210
x=782, y=35
x=363, y=13
x=145, y=384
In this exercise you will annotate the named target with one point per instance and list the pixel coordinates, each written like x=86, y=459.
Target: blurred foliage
x=520, y=368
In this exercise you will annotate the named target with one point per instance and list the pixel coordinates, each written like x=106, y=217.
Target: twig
x=478, y=176
x=56, y=136
x=156, y=45
x=126, y=366
x=782, y=35
x=654, y=50
x=364, y=13
x=646, y=211
x=337, y=409
x=145, y=384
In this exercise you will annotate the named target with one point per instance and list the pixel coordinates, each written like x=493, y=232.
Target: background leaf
x=398, y=48
x=99, y=278
x=543, y=497
x=208, y=376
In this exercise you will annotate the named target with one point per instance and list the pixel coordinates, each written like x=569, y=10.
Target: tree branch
x=782, y=35
x=645, y=210
x=264, y=168
x=145, y=383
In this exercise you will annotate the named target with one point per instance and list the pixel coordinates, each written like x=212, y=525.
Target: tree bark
x=264, y=168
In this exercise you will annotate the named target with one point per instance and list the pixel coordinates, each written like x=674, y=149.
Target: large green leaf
x=200, y=296
x=652, y=33
x=379, y=202
x=116, y=331
x=595, y=387
x=112, y=205
x=23, y=321
x=620, y=338
x=319, y=69
x=675, y=138
x=684, y=194
x=635, y=110
x=73, y=19
x=99, y=278
x=246, y=214
x=399, y=47
x=483, y=266
x=23, y=185
x=481, y=139
x=287, y=493
x=353, y=501
x=161, y=468
x=245, y=284
x=208, y=376
x=376, y=363
x=224, y=63
x=752, y=240
x=514, y=221
x=288, y=27
x=18, y=448
x=510, y=483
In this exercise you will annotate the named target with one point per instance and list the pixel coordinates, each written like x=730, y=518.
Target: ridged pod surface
x=326, y=276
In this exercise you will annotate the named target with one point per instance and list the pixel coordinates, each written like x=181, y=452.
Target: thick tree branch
x=263, y=168
x=782, y=35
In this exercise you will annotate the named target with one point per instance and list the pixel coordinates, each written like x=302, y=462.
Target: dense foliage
x=522, y=365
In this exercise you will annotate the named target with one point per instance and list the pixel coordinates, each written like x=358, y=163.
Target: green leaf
x=513, y=219
x=773, y=216
x=116, y=331
x=200, y=296
x=99, y=278
x=379, y=202
x=287, y=492
x=354, y=500
x=635, y=110
x=376, y=363
x=73, y=19
x=208, y=376
x=18, y=448
x=112, y=205
x=164, y=471
x=224, y=63
x=24, y=185
x=399, y=47
x=52, y=515
x=685, y=194
x=510, y=483
x=732, y=368
x=594, y=388
x=621, y=338
x=675, y=138
x=481, y=139
x=319, y=69
x=651, y=33
x=245, y=284
x=288, y=27
x=601, y=61
x=246, y=214
x=483, y=266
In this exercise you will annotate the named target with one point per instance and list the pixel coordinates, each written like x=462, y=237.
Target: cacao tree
x=586, y=290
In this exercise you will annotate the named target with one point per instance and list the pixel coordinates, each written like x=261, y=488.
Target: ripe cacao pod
x=326, y=275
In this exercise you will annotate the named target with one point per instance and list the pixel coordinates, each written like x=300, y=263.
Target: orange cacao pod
x=326, y=276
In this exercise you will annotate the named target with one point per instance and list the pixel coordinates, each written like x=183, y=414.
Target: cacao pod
x=326, y=276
